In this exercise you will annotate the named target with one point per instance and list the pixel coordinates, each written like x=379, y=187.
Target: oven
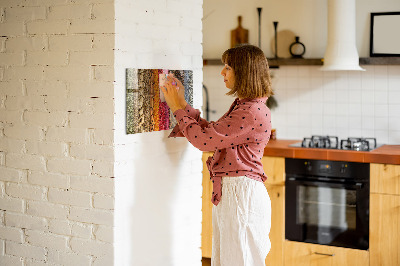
x=327, y=202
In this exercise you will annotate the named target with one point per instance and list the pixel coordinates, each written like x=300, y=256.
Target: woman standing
x=242, y=208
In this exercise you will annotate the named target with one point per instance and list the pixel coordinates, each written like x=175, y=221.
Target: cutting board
x=239, y=35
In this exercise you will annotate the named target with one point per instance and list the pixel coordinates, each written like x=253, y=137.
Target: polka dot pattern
x=238, y=139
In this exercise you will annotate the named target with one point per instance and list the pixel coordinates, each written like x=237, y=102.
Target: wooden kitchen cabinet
x=384, y=237
x=206, y=225
x=277, y=233
x=305, y=254
x=385, y=178
x=274, y=168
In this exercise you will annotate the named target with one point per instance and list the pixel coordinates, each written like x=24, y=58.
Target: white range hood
x=341, y=51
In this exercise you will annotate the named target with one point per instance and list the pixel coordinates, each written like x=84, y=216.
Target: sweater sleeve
x=193, y=113
x=231, y=130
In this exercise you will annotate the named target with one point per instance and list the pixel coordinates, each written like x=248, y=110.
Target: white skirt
x=241, y=223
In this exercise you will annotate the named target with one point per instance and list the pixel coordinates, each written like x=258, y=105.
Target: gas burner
x=327, y=142
x=332, y=142
x=358, y=144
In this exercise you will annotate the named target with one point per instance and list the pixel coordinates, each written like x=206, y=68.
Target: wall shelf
x=380, y=61
x=274, y=63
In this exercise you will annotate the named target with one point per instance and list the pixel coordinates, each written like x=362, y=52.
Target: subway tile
x=329, y=122
x=394, y=97
x=329, y=94
x=342, y=96
x=355, y=96
x=355, y=132
x=316, y=83
x=329, y=109
x=342, y=109
x=342, y=122
x=367, y=96
x=292, y=82
x=355, y=109
x=367, y=110
x=317, y=107
x=394, y=123
x=380, y=84
x=304, y=82
x=394, y=70
x=328, y=74
x=342, y=82
x=394, y=110
x=355, y=83
x=381, y=123
x=304, y=72
x=394, y=137
x=381, y=97
x=367, y=83
x=382, y=110
x=394, y=83
x=355, y=122
x=382, y=136
x=315, y=72
x=380, y=71
x=291, y=71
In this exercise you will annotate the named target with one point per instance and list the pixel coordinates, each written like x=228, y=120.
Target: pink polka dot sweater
x=238, y=139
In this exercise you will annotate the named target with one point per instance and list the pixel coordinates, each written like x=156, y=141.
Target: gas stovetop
x=332, y=142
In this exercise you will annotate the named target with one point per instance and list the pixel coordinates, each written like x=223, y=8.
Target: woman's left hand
x=171, y=95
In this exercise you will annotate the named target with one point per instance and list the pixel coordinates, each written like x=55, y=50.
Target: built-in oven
x=327, y=202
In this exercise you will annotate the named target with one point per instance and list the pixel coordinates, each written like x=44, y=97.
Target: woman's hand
x=173, y=94
x=181, y=91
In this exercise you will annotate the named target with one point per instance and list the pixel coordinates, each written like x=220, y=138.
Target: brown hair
x=250, y=66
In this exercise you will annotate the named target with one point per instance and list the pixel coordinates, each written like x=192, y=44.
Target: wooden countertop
x=389, y=154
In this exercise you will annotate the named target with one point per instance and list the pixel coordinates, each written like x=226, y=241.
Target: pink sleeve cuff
x=176, y=132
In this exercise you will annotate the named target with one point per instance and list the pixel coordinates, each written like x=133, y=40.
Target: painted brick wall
x=158, y=180
x=56, y=132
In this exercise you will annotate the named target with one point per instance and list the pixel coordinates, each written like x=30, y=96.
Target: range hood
x=341, y=51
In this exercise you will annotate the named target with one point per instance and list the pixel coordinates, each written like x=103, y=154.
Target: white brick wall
x=56, y=132
x=60, y=132
x=153, y=174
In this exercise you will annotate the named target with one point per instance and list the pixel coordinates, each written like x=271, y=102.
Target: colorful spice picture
x=146, y=109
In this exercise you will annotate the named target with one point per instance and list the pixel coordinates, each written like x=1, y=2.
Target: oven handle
x=357, y=185
x=324, y=254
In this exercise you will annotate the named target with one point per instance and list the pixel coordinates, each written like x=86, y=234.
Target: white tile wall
x=311, y=102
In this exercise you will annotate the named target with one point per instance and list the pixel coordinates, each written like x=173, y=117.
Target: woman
x=242, y=208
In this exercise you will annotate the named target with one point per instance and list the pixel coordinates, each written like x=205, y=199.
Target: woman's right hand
x=181, y=91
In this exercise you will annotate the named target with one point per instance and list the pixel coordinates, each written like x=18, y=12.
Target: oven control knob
x=343, y=168
x=308, y=166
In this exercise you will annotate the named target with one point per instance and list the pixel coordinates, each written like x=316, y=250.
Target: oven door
x=327, y=213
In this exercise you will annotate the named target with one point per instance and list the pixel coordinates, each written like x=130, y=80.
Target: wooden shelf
x=274, y=63
x=380, y=61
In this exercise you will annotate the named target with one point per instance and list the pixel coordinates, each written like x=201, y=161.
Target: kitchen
x=312, y=104
x=75, y=189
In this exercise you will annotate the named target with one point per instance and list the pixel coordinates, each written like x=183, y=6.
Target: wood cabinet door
x=305, y=254
x=384, y=236
x=206, y=226
x=277, y=233
x=385, y=178
x=274, y=168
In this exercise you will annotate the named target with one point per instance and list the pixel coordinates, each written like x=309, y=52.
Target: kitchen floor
x=206, y=262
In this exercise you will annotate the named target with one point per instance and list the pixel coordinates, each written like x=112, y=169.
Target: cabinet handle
x=324, y=254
